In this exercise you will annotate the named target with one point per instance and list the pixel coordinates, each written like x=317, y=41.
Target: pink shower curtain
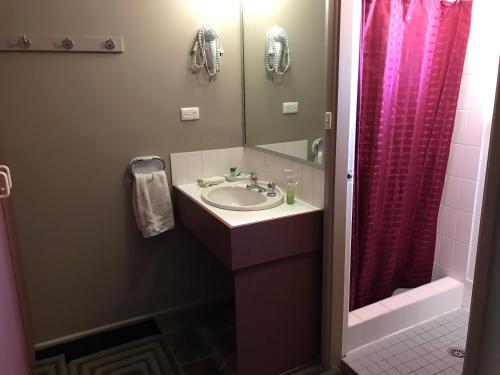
x=412, y=58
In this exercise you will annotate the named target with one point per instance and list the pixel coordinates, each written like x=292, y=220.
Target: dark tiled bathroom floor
x=203, y=342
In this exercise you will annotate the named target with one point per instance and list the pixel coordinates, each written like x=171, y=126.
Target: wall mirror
x=285, y=76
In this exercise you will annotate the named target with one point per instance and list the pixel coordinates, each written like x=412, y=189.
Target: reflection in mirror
x=277, y=51
x=284, y=73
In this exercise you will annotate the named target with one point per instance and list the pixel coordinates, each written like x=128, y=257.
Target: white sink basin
x=235, y=196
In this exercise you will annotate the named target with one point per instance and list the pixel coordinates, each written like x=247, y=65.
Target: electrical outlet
x=290, y=108
x=190, y=113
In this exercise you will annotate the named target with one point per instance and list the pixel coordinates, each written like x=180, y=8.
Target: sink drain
x=456, y=352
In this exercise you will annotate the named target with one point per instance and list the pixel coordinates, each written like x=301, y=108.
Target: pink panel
x=13, y=356
x=278, y=315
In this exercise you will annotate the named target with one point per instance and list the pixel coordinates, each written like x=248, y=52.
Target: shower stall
x=417, y=81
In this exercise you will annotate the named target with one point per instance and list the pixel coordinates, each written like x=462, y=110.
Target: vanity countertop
x=238, y=218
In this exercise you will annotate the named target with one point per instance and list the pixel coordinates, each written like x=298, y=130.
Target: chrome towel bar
x=146, y=164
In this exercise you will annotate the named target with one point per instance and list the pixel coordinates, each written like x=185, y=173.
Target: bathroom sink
x=235, y=196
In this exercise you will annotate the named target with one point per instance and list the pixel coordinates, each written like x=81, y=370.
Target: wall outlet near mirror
x=290, y=108
x=190, y=114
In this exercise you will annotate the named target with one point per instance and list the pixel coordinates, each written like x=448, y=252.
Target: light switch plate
x=290, y=108
x=328, y=120
x=190, y=113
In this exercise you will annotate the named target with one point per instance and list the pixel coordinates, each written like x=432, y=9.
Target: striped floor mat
x=52, y=366
x=142, y=357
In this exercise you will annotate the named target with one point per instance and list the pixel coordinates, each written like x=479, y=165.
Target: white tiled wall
x=270, y=168
x=460, y=204
x=457, y=204
x=403, y=310
x=187, y=167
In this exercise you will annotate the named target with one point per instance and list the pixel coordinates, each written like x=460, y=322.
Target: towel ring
x=146, y=164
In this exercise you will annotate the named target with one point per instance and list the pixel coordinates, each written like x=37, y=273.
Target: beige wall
x=305, y=81
x=70, y=123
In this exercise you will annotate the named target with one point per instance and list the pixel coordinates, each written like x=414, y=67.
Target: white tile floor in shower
x=419, y=350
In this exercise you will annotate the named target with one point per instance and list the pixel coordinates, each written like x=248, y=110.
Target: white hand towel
x=209, y=181
x=153, y=209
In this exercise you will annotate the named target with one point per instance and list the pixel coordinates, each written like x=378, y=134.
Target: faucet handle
x=271, y=189
x=253, y=176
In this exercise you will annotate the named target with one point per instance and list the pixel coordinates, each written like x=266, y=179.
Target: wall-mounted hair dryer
x=277, y=51
x=207, y=51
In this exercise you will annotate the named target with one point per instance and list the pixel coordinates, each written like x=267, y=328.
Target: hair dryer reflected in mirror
x=207, y=51
x=277, y=55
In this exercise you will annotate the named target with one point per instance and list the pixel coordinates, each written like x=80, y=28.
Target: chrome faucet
x=271, y=186
x=254, y=184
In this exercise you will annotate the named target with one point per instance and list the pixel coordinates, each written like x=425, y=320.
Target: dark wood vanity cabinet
x=277, y=271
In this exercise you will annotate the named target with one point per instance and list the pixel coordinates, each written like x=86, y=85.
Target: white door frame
x=344, y=26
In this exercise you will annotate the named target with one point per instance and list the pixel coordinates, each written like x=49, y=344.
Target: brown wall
x=303, y=82
x=70, y=123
